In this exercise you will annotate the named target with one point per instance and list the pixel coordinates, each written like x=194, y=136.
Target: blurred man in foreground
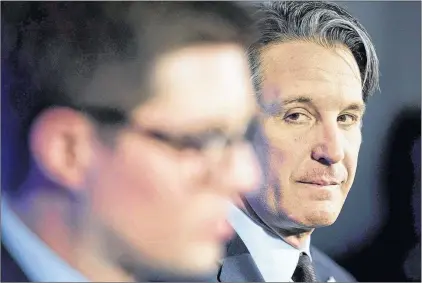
x=314, y=66
x=132, y=117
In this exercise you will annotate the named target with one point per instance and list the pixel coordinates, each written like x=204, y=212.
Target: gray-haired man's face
x=311, y=132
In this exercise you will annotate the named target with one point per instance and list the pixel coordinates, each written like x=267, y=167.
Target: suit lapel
x=238, y=266
x=322, y=272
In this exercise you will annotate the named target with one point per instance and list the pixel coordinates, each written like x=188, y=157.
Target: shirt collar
x=39, y=262
x=268, y=252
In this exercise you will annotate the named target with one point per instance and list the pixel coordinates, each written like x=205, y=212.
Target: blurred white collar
x=38, y=261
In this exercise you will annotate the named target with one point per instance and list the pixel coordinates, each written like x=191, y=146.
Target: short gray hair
x=322, y=22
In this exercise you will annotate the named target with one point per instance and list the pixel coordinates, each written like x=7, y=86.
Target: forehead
x=307, y=69
x=209, y=83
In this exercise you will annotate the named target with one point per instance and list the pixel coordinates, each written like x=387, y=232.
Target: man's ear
x=61, y=143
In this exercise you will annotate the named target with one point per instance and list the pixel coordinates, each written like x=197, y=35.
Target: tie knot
x=304, y=271
x=304, y=259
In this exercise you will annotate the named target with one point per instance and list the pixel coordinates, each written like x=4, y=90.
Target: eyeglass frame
x=200, y=143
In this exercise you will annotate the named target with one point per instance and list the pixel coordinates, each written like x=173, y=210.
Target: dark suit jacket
x=238, y=266
x=10, y=270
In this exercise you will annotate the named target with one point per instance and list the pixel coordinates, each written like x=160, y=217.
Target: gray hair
x=322, y=22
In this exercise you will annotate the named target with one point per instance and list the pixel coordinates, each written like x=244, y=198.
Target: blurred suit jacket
x=10, y=270
x=239, y=266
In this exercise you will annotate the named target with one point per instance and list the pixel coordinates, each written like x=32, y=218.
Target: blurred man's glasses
x=201, y=142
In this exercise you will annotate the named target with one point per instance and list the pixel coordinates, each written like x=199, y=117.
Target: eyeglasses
x=212, y=139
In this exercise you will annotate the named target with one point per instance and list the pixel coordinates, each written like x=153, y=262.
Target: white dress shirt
x=35, y=258
x=274, y=258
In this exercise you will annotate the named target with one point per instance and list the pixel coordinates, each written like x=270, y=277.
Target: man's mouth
x=323, y=182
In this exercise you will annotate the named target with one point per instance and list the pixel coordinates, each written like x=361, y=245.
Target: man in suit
x=314, y=67
x=118, y=156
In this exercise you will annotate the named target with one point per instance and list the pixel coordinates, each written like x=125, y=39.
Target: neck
x=51, y=216
x=291, y=233
x=297, y=239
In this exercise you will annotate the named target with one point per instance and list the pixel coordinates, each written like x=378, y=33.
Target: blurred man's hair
x=317, y=21
x=52, y=51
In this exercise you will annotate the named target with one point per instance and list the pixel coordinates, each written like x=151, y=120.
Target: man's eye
x=192, y=142
x=347, y=119
x=296, y=118
x=202, y=141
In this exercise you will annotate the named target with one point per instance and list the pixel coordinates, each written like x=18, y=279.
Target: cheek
x=352, y=148
x=287, y=148
x=152, y=180
x=136, y=198
x=128, y=187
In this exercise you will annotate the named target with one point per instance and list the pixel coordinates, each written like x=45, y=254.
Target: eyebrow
x=300, y=99
x=360, y=107
x=276, y=106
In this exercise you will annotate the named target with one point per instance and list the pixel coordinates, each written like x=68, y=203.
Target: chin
x=320, y=218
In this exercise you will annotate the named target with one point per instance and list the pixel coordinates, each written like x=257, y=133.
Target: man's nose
x=329, y=147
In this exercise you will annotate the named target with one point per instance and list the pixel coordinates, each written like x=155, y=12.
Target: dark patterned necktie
x=304, y=271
